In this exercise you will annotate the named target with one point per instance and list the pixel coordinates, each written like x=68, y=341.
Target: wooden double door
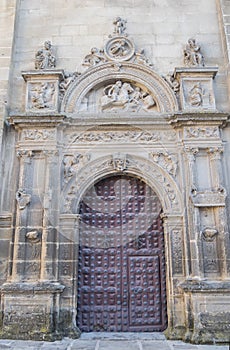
x=121, y=272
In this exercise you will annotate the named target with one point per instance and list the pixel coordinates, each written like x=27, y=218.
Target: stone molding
x=157, y=177
x=131, y=72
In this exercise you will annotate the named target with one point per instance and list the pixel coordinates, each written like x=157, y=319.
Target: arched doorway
x=121, y=273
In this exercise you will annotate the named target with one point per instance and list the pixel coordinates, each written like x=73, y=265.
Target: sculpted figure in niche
x=44, y=58
x=96, y=56
x=119, y=26
x=192, y=54
x=196, y=95
x=42, y=95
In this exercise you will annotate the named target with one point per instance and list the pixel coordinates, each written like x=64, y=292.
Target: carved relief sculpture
x=166, y=161
x=196, y=95
x=125, y=96
x=22, y=198
x=41, y=95
x=119, y=162
x=33, y=236
x=209, y=234
x=44, y=58
x=192, y=54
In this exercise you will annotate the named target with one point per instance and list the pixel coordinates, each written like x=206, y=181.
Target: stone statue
x=44, y=58
x=192, y=54
x=119, y=26
x=68, y=79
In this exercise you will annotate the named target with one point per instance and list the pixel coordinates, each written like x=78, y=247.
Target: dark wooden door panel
x=121, y=283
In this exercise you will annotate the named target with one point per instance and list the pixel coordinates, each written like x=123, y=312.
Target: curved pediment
x=111, y=87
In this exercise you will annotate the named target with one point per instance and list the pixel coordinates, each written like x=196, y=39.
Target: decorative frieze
x=132, y=136
x=201, y=132
x=38, y=134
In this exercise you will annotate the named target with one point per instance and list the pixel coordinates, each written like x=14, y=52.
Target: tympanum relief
x=126, y=96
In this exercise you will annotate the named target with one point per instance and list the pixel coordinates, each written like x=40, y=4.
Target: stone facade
x=144, y=94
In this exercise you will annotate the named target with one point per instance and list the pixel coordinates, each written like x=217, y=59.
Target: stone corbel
x=196, y=92
x=42, y=92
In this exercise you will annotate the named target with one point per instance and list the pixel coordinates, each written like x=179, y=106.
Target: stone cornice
x=204, y=286
x=37, y=287
x=206, y=118
x=32, y=119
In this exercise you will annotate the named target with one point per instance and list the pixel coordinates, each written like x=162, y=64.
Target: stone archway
x=121, y=273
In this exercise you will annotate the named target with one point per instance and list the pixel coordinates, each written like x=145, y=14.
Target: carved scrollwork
x=202, y=132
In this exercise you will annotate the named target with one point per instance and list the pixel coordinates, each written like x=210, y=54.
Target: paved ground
x=109, y=341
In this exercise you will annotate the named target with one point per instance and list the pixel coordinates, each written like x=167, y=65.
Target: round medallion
x=119, y=48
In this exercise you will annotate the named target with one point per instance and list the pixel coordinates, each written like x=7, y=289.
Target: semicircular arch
x=105, y=73
x=151, y=173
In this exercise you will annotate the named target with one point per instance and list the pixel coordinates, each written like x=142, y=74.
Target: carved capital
x=215, y=152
